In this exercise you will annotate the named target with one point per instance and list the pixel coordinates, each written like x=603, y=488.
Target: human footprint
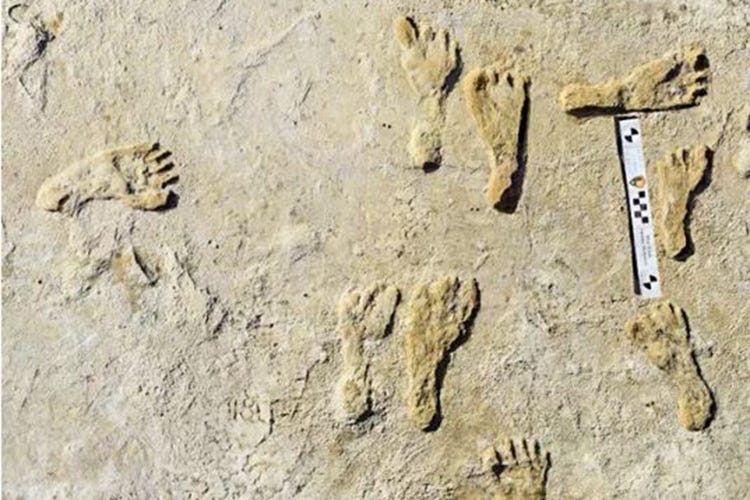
x=677, y=79
x=517, y=471
x=428, y=57
x=496, y=96
x=662, y=333
x=136, y=175
x=678, y=175
x=364, y=315
x=438, y=317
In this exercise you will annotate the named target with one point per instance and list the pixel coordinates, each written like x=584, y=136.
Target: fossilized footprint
x=662, y=333
x=496, y=96
x=428, y=58
x=364, y=315
x=678, y=174
x=136, y=175
x=438, y=316
x=523, y=471
x=518, y=471
x=677, y=79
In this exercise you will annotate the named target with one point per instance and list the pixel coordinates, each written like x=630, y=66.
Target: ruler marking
x=646, y=281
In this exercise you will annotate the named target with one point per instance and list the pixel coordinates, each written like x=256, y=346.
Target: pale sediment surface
x=193, y=350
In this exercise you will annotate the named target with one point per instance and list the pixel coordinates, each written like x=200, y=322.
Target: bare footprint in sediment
x=439, y=316
x=364, y=315
x=136, y=175
x=677, y=79
x=518, y=471
x=678, y=175
x=662, y=333
x=428, y=58
x=496, y=96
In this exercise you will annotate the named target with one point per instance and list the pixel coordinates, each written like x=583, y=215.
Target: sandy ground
x=195, y=351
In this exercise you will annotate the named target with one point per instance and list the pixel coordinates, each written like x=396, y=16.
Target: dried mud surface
x=188, y=345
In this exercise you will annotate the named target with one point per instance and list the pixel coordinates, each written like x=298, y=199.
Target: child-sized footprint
x=514, y=471
x=365, y=315
x=439, y=316
x=522, y=471
x=496, y=97
x=678, y=175
x=136, y=175
x=677, y=79
x=662, y=333
x=428, y=57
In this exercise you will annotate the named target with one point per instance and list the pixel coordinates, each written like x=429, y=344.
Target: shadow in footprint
x=705, y=181
x=442, y=366
x=173, y=199
x=712, y=407
x=453, y=77
x=509, y=201
x=600, y=111
x=450, y=83
x=431, y=166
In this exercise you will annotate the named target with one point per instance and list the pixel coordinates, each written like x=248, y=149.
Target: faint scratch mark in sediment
x=91, y=402
x=257, y=57
x=219, y=8
x=72, y=350
x=722, y=133
x=30, y=389
x=305, y=92
x=528, y=232
x=297, y=104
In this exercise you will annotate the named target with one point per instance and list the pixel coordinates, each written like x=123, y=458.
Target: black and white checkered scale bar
x=645, y=263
